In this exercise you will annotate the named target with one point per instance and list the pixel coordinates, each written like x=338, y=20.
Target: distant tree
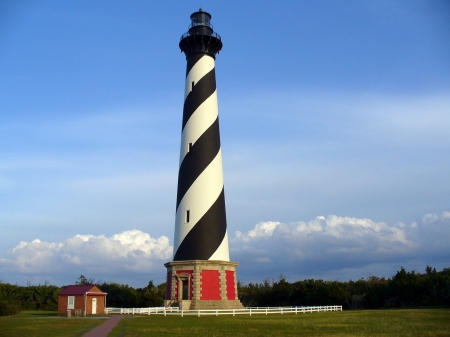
x=355, y=302
x=151, y=296
x=82, y=280
x=377, y=293
x=120, y=295
x=405, y=287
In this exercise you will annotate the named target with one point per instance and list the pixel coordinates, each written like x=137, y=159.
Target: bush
x=8, y=308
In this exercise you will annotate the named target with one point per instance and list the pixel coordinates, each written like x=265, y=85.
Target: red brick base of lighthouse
x=197, y=284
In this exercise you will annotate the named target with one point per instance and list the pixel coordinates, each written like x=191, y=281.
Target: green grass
x=427, y=322
x=45, y=323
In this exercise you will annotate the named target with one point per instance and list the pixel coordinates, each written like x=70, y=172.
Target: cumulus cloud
x=124, y=255
x=332, y=247
x=340, y=247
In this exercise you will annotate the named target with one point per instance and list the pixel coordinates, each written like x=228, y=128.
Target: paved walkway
x=104, y=329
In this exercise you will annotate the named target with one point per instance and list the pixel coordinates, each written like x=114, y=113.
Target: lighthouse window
x=192, y=85
x=189, y=147
x=187, y=216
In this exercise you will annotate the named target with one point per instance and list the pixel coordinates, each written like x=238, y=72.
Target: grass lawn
x=45, y=323
x=426, y=322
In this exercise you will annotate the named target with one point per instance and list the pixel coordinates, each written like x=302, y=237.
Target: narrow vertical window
x=70, y=302
x=187, y=216
x=189, y=147
x=192, y=85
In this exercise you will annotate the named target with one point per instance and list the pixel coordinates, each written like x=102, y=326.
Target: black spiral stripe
x=202, y=90
x=192, y=60
x=207, y=235
x=204, y=150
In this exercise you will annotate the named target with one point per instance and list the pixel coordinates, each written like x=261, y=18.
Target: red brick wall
x=210, y=285
x=62, y=305
x=100, y=301
x=231, y=291
x=95, y=289
x=100, y=305
x=63, y=301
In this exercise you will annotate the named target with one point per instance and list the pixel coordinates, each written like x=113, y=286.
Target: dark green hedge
x=9, y=308
x=15, y=298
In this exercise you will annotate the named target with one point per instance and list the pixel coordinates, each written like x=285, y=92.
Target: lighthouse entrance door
x=185, y=290
x=183, y=285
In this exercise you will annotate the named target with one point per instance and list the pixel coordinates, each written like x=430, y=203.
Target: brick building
x=81, y=300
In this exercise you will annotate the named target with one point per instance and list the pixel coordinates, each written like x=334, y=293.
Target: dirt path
x=104, y=329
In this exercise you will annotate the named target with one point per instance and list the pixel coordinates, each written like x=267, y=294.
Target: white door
x=94, y=306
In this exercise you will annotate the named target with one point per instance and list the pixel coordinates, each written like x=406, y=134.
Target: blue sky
x=334, y=118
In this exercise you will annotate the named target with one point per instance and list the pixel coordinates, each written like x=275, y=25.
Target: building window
x=192, y=85
x=189, y=147
x=187, y=216
x=70, y=302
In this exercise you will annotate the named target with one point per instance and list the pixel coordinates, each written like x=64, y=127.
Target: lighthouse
x=201, y=275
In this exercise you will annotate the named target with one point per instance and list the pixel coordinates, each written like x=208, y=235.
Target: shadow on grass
x=36, y=314
x=46, y=323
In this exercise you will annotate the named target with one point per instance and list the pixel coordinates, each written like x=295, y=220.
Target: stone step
x=219, y=304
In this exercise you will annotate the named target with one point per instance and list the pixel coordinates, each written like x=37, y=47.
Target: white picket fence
x=167, y=311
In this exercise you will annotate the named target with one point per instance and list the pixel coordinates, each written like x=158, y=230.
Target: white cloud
x=435, y=218
x=263, y=229
x=128, y=253
x=340, y=247
x=331, y=247
x=339, y=229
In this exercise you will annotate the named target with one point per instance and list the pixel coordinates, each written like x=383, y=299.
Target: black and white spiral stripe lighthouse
x=201, y=272
x=201, y=226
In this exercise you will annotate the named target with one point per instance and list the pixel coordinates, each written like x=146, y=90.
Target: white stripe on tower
x=205, y=115
x=197, y=72
x=200, y=225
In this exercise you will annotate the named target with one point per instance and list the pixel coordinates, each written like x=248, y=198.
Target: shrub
x=9, y=308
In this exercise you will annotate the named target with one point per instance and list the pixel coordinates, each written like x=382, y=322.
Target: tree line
x=404, y=289
x=15, y=298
